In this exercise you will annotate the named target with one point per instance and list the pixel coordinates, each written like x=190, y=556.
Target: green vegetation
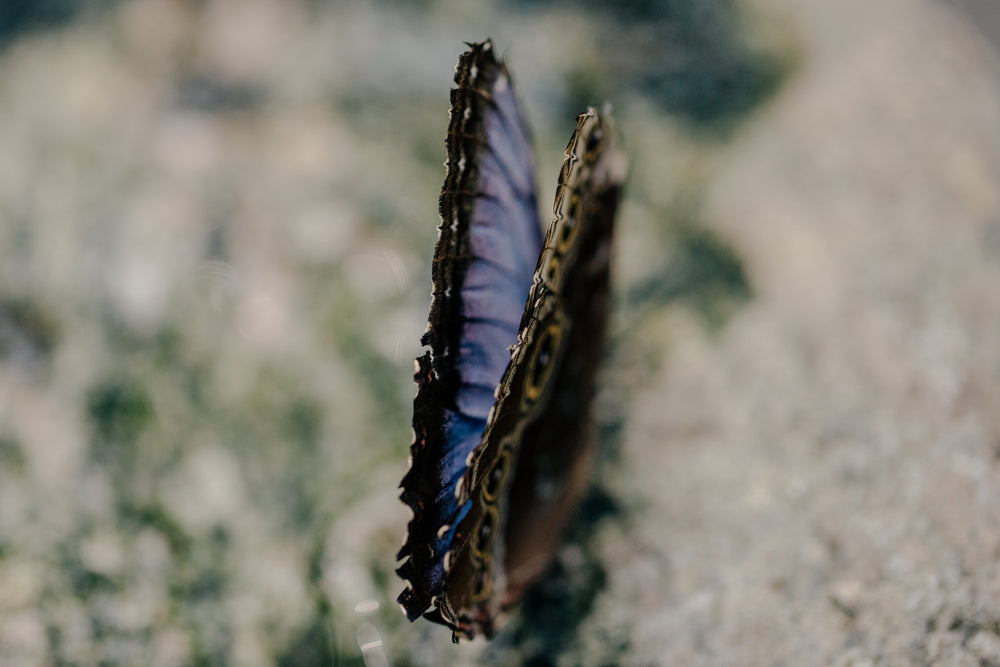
x=23, y=16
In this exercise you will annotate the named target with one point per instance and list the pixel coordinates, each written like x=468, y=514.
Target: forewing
x=482, y=272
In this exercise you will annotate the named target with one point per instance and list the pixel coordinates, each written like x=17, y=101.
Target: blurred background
x=216, y=225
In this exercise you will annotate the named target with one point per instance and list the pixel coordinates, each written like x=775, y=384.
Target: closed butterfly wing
x=526, y=477
x=489, y=239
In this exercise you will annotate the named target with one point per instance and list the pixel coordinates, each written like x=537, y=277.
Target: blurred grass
x=693, y=59
x=21, y=17
x=29, y=332
x=701, y=271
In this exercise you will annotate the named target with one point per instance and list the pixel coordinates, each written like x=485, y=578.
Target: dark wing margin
x=481, y=279
x=527, y=475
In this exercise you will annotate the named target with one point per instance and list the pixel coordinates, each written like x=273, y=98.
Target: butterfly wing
x=488, y=240
x=524, y=480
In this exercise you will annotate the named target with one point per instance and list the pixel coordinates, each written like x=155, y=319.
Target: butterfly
x=502, y=431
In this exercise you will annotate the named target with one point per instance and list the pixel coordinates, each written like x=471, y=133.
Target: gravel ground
x=823, y=477
x=217, y=225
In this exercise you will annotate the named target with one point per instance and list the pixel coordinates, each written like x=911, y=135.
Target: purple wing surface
x=526, y=477
x=503, y=440
x=489, y=240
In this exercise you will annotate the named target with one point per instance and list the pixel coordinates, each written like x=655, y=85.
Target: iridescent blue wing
x=488, y=243
x=525, y=478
